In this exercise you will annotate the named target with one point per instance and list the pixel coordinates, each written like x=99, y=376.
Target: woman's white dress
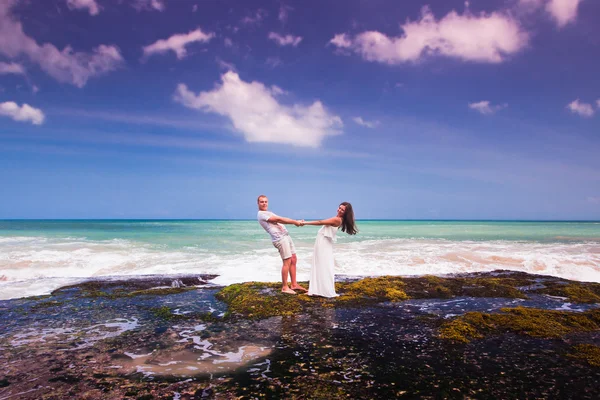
x=322, y=279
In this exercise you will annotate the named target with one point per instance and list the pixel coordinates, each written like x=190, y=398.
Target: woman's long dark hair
x=348, y=224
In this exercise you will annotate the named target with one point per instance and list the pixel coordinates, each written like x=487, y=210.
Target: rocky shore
x=493, y=335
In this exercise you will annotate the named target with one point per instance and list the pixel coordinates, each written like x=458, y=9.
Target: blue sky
x=192, y=108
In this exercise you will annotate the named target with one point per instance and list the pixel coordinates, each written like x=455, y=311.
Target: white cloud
x=24, y=113
x=284, y=13
x=485, y=37
x=368, y=124
x=254, y=110
x=583, y=109
x=593, y=200
x=485, y=108
x=12, y=68
x=341, y=40
x=144, y=5
x=91, y=5
x=195, y=8
x=277, y=91
x=255, y=19
x=598, y=103
x=286, y=40
x=562, y=12
x=228, y=42
x=225, y=65
x=66, y=65
x=177, y=43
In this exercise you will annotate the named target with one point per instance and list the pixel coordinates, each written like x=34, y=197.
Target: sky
x=172, y=109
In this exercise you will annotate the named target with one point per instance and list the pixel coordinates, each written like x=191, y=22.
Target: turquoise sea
x=37, y=256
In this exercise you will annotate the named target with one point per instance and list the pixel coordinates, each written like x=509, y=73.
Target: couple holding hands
x=322, y=281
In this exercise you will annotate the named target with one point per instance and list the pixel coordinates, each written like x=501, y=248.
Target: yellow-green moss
x=435, y=280
x=164, y=312
x=437, y=287
x=581, y=294
x=587, y=352
x=260, y=300
x=577, y=292
x=442, y=292
x=373, y=287
x=372, y=290
x=525, y=321
x=459, y=330
x=394, y=294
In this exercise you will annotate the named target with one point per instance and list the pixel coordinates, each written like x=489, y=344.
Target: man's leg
x=285, y=270
x=293, y=274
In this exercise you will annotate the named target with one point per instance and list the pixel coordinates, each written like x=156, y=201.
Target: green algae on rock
x=259, y=300
x=459, y=330
x=372, y=290
x=520, y=320
x=262, y=300
x=437, y=287
x=578, y=292
x=587, y=352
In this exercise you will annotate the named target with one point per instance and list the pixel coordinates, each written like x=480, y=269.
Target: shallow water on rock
x=67, y=315
x=456, y=306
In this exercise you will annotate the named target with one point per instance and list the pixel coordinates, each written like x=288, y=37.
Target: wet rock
x=379, y=339
x=120, y=356
x=65, y=378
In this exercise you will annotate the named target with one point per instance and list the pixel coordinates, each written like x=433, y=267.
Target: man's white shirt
x=277, y=231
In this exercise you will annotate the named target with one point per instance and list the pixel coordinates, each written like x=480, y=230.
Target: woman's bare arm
x=333, y=221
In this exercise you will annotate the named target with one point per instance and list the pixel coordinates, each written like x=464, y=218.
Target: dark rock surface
x=120, y=340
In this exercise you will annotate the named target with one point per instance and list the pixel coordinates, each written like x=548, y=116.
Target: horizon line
x=253, y=219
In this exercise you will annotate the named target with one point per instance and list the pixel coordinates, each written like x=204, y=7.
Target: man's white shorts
x=286, y=247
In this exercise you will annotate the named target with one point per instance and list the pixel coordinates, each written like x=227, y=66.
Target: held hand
x=302, y=222
x=297, y=223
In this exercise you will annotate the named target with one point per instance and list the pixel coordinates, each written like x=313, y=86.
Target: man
x=282, y=241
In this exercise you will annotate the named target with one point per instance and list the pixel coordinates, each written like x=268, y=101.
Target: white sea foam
x=32, y=266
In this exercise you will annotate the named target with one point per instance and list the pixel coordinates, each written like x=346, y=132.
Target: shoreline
x=39, y=257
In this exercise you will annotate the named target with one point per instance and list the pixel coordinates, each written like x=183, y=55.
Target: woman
x=322, y=281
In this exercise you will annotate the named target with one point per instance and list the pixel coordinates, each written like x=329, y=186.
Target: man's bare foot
x=288, y=291
x=298, y=287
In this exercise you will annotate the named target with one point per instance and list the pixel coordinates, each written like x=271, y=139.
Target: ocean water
x=38, y=256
